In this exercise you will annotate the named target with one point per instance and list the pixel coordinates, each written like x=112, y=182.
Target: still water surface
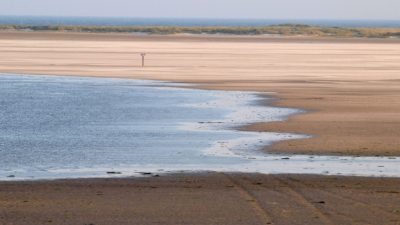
x=66, y=127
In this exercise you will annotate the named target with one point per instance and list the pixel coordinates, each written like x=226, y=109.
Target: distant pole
x=143, y=55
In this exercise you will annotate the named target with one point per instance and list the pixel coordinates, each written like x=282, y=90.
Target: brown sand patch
x=213, y=198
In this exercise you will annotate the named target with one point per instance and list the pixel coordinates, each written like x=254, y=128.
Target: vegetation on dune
x=284, y=30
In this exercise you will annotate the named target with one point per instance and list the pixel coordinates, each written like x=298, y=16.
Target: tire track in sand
x=303, y=201
x=264, y=216
x=351, y=201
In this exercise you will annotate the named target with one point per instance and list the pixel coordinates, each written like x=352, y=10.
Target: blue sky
x=254, y=9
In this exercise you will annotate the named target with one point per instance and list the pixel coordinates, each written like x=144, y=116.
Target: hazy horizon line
x=195, y=18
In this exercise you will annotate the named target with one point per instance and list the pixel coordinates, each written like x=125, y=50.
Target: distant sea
x=99, y=21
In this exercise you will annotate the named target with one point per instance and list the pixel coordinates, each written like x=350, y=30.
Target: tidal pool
x=75, y=127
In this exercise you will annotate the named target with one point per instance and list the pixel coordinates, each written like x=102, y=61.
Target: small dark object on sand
x=320, y=202
x=146, y=173
x=113, y=172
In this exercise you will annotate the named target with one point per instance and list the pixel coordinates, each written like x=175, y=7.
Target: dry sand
x=351, y=87
x=204, y=199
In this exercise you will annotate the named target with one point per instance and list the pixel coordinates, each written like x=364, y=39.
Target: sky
x=237, y=9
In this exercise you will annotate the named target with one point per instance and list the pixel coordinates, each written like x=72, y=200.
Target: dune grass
x=284, y=30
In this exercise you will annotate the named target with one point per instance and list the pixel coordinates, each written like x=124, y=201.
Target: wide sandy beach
x=350, y=88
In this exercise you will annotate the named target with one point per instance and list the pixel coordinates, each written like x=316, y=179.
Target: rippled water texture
x=65, y=127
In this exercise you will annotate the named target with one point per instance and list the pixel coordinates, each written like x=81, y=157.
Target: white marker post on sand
x=143, y=55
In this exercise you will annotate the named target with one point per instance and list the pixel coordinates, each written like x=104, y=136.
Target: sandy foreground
x=212, y=198
x=351, y=87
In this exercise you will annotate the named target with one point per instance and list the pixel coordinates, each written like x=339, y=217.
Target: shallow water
x=68, y=127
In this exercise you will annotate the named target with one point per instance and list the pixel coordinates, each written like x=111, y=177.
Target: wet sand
x=212, y=198
x=351, y=87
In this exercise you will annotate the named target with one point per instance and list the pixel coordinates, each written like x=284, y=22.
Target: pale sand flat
x=351, y=87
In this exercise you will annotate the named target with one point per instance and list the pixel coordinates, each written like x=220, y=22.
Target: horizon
x=217, y=9
x=30, y=20
x=194, y=18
